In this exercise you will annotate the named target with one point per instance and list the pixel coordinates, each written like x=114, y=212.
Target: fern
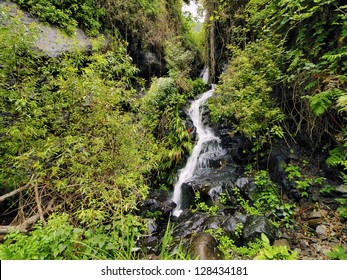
x=320, y=102
x=337, y=157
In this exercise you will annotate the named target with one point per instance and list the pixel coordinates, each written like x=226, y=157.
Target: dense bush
x=243, y=95
x=69, y=14
x=69, y=131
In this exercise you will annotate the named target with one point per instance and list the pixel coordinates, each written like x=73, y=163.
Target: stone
x=321, y=231
x=304, y=243
x=148, y=244
x=157, y=202
x=247, y=188
x=282, y=242
x=204, y=247
x=51, y=41
x=342, y=189
x=256, y=225
x=318, y=214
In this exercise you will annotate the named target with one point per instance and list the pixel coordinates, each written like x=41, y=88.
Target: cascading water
x=207, y=146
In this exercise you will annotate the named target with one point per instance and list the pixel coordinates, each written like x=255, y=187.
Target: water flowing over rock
x=207, y=147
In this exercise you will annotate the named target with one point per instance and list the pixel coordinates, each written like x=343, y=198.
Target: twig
x=38, y=202
x=25, y=226
x=5, y=196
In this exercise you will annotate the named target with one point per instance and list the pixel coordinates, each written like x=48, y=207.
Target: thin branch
x=5, y=196
x=38, y=202
x=25, y=226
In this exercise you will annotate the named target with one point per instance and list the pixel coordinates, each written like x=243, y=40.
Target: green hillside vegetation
x=84, y=138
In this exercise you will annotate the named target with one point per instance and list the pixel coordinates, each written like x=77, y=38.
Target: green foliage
x=338, y=253
x=68, y=14
x=59, y=240
x=342, y=209
x=302, y=181
x=268, y=252
x=202, y=206
x=266, y=199
x=161, y=115
x=178, y=60
x=259, y=249
x=169, y=249
x=320, y=102
x=243, y=95
x=245, y=204
x=68, y=128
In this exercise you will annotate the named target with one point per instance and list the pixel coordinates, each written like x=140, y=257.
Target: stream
x=208, y=146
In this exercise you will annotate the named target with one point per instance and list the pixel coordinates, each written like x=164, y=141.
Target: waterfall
x=205, y=75
x=207, y=145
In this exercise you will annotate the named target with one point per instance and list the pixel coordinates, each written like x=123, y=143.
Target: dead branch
x=25, y=226
x=39, y=208
x=5, y=196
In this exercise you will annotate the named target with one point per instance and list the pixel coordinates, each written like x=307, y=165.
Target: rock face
x=51, y=41
x=255, y=226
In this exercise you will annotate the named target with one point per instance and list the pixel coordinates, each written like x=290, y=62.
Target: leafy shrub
x=338, y=253
x=268, y=252
x=161, y=115
x=68, y=14
x=243, y=95
x=59, y=240
x=68, y=129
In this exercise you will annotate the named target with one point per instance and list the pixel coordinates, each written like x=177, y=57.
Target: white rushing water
x=207, y=143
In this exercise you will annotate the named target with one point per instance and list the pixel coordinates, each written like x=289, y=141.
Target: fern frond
x=337, y=157
x=320, y=102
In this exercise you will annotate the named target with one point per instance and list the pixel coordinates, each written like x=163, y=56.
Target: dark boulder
x=256, y=225
x=157, y=203
x=204, y=247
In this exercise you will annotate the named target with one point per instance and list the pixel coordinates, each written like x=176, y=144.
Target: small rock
x=319, y=214
x=282, y=242
x=304, y=243
x=321, y=231
x=205, y=247
x=341, y=189
x=306, y=253
x=313, y=223
x=323, y=249
x=255, y=226
x=153, y=257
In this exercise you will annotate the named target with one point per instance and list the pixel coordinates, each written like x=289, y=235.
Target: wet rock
x=256, y=225
x=210, y=183
x=148, y=244
x=231, y=223
x=151, y=226
x=247, y=187
x=157, y=203
x=205, y=247
x=190, y=223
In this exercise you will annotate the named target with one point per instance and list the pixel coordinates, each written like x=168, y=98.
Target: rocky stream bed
x=315, y=227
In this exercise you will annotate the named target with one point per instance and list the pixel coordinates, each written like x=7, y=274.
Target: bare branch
x=26, y=225
x=5, y=196
x=38, y=202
